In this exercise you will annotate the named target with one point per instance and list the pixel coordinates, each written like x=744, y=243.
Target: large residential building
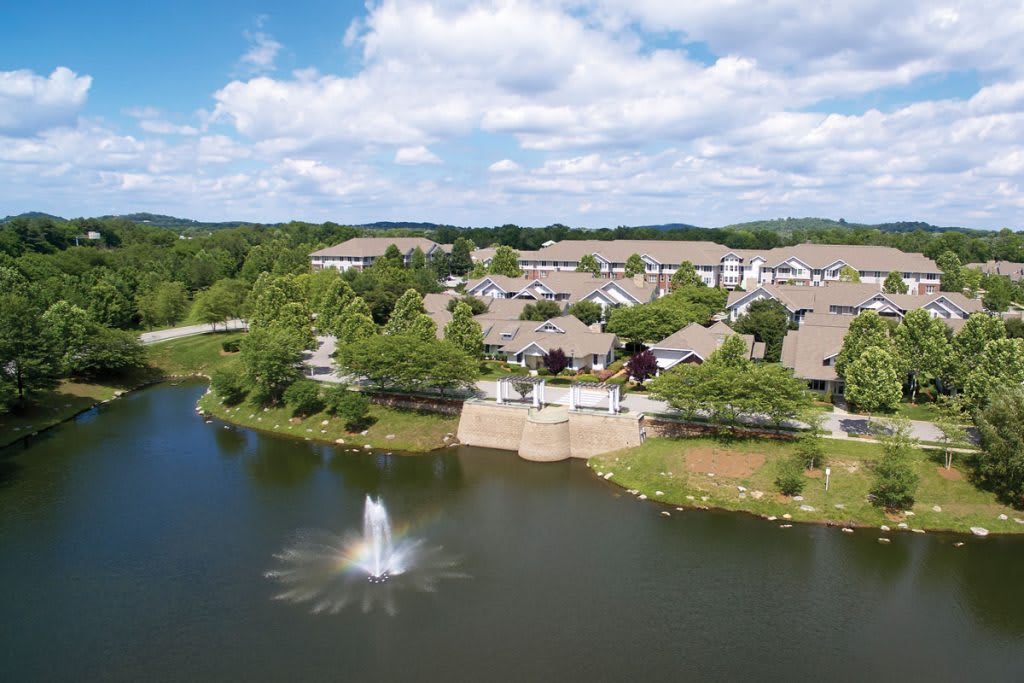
x=719, y=266
x=564, y=287
x=850, y=299
x=811, y=351
x=695, y=343
x=1014, y=271
x=360, y=252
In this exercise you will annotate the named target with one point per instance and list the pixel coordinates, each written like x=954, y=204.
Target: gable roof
x=571, y=285
x=376, y=246
x=703, y=341
x=575, y=338
x=804, y=351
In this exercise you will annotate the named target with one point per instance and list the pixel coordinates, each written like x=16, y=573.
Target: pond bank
x=738, y=475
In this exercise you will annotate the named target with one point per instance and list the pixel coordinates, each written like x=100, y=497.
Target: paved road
x=839, y=424
x=188, y=331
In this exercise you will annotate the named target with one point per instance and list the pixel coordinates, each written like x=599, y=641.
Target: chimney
x=639, y=280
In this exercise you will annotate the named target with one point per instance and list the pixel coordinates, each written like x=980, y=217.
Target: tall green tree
x=589, y=264
x=165, y=304
x=505, y=262
x=418, y=260
x=109, y=305
x=272, y=359
x=894, y=283
x=686, y=276
x=392, y=258
x=953, y=434
x=1000, y=426
x=998, y=292
x=867, y=330
x=873, y=381
x=1001, y=364
x=410, y=363
x=67, y=328
x=355, y=323
x=409, y=318
x=27, y=361
x=968, y=345
x=465, y=332
x=768, y=320
x=222, y=302
x=332, y=304
x=922, y=348
x=635, y=266
x=732, y=353
x=461, y=261
x=952, y=276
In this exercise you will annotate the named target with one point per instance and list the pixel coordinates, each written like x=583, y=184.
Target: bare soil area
x=723, y=462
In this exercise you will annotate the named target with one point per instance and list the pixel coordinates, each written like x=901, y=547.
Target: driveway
x=189, y=331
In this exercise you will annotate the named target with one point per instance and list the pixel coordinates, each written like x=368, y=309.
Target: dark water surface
x=133, y=544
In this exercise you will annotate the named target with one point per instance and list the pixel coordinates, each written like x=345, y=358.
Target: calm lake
x=134, y=544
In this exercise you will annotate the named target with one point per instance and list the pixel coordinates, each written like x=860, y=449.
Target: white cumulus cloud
x=30, y=103
x=412, y=156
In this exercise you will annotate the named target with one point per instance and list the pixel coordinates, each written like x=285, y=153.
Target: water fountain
x=331, y=571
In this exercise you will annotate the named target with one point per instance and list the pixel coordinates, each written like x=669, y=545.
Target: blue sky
x=593, y=113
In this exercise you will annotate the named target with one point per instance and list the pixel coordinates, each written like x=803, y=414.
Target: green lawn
x=412, y=430
x=52, y=407
x=664, y=465
x=492, y=370
x=197, y=355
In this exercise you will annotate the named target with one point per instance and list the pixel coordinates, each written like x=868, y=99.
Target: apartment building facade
x=811, y=265
x=360, y=252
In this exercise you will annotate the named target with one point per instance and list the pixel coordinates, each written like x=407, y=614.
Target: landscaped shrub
x=303, y=397
x=351, y=406
x=789, y=476
x=229, y=384
x=231, y=346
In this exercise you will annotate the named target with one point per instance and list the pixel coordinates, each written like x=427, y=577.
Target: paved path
x=189, y=331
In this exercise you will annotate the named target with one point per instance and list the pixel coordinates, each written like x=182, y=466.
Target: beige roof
x=482, y=255
x=850, y=294
x=572, y=336
x=504, y=309
x=817, y=256
x=1014, y=271
x=805, y=350
x=703, y=341
x=827, y=320
x=376, y=246
x=436, y=306
x=575, y=286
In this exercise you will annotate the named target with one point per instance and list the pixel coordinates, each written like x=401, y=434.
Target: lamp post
x=828, y=473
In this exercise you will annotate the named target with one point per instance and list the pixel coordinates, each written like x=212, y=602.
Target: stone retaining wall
x=492, y=426
x=431, y=404
x=677, y=428
x=592, y=434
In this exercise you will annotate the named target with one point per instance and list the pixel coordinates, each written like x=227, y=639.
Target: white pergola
x=538, y=388
x=577, y=389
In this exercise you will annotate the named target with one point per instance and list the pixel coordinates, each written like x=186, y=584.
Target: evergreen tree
x=895, y=482
x=635, y=265
x=768, y=321
x=461, y=261
x=894, y=284
x=465, y=332
x=952, y=276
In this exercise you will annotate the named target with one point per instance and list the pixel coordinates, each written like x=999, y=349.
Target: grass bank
x=710, y=472
x=192, y=356
x=392, y=428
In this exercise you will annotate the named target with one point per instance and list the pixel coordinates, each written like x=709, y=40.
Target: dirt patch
x=814, y=474
x=723, y=462
x=950, y=474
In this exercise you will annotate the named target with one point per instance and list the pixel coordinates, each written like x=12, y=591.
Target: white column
x=543, y=392
x=572, y=397
x=500, y=385
x=611, y=401
x=536, y=395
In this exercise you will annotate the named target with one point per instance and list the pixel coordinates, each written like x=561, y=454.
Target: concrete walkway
x=189, y=331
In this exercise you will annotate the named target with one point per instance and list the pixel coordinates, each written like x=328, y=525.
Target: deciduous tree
x=1000, y=426
x=540, y=311
x=465, y=332
x=409, y=318
x=505, y=262
x=686, y=276
x=588, y=264
x=642, y=366
x=895, y=481
x=952, y=277
x=867, y=330
x=272, y=359
x=768, y=320
x=635, y=266
x=894, y=283
x=848, y=274
x=873, y=381
x=922, y=348
x=555, y=361
x=587, y=312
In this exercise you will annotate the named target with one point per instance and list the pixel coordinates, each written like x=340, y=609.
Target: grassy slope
x=963, y=506
x=198, y=355
x=413, y=431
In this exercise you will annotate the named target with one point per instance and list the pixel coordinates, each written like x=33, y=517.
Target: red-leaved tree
x=642, y=366
x=555, y=361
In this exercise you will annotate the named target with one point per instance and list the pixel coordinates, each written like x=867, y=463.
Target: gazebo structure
x=578, y=389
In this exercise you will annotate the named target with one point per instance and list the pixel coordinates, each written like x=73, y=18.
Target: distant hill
x=175, y=223
x=792, y=224
x=33, y=214
x=399, y=225
x=667, y=226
